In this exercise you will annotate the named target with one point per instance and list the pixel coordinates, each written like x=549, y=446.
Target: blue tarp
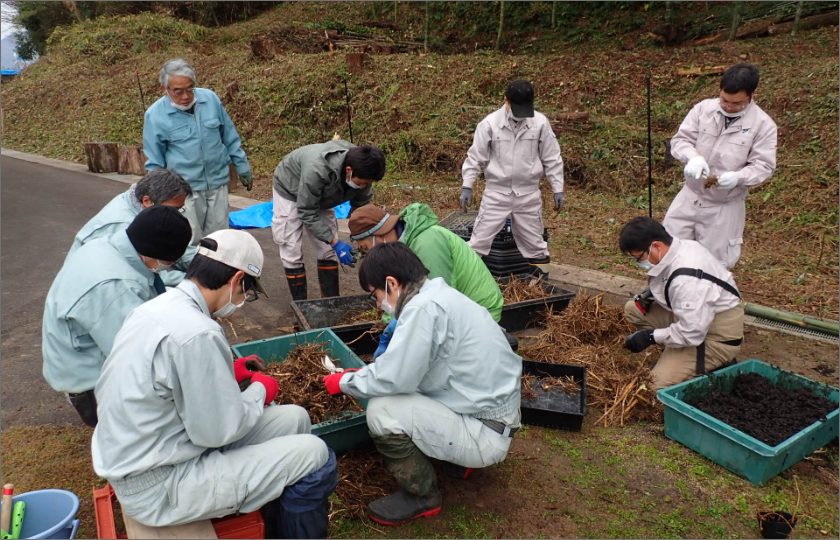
x=259, y=215
x=9, y=71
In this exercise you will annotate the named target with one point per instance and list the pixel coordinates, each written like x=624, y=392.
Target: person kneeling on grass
x=692, y=306
x=176, y=438
x=448, y=387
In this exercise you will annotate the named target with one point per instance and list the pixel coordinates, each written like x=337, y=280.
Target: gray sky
x=7, y=27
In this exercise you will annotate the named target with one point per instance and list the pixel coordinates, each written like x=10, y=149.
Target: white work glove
x=728, y=180
x=696, y=168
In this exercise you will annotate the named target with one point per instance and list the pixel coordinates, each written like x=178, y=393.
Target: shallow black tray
x=520, y=315
x=328, y=312
x=555, y=408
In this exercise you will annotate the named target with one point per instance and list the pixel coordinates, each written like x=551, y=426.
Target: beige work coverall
x=514, y=160
x=715, y=217
x=701, y=311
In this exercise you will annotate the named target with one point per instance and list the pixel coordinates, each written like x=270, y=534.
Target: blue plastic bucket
x=50, y=513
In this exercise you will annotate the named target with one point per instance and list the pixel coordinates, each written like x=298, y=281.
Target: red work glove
x=241, y=371
x=270, y=384
x=332, y=381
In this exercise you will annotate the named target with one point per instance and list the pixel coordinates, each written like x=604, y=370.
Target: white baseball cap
x=239, y=250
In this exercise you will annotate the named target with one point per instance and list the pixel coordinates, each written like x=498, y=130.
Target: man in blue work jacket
x=189, y=132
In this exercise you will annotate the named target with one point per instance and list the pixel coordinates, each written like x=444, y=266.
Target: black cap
x=160, y=232
x=520, y=95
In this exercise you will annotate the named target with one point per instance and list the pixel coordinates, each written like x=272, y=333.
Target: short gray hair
x=161, y=185
x=177, y=67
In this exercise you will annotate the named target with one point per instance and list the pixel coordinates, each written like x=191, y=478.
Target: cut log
x=264, y=49
x=712, y=39
x=355, y=62
x=132, y=160
x=753, y=30
x=808, y=23
x=701, y=71
x=102, y=157
x=571, y=117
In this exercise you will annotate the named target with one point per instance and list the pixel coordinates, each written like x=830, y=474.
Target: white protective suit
x=715, y=217
x=514, y=159
x=176, y=438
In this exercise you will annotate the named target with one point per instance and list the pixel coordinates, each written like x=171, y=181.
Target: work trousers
x=207, y=212
x=526, y=222
x=240, y=477
x=678, y=364
x=287, y=230
x=720, y=229
x=438, y=431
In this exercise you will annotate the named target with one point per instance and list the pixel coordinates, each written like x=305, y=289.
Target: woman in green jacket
x=442, y=252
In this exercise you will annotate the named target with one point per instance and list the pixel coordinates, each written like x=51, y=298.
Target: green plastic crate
x=731, y=448
x=342, y=435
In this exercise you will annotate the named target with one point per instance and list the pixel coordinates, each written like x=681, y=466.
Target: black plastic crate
x=519, y=315
x=461, y=223
x=329, y=312
x=555, y=409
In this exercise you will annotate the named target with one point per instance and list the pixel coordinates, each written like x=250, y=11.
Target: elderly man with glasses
x=188, y=131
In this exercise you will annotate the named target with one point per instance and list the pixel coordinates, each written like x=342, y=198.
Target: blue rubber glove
x=344, y=252
x=385, y=339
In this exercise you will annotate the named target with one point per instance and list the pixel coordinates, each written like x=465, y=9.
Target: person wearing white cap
x=177, y=439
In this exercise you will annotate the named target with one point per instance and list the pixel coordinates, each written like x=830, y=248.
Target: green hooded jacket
x=448, y=256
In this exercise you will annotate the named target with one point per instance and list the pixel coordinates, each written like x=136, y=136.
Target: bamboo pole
x=796, y=20
x=829, y=327
x=501, y=24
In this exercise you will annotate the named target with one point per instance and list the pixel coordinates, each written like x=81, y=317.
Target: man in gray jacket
x=308, y=183
x=448, y=387
x=177, y=440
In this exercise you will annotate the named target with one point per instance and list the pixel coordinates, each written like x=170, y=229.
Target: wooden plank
x=196, y=529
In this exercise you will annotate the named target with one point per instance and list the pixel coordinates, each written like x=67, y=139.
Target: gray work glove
x=247, y=180
x=465, y=198
x=559, y=199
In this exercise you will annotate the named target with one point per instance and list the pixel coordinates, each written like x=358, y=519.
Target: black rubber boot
x=328, y=277
x=297, y=282
x=455, y=471
x=414, y=473
x=402, y=507
x=539, y=267
x=512, y=341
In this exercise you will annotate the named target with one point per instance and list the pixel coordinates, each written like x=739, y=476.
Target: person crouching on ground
x=177, y=439
x=691, y=306
x=448, y=387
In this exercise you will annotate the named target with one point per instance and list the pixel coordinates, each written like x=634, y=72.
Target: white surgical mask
x=353, y=184
x=228, y=309
x=160, y=266
x=646, y=264
x=182, y=107
x=729, y=114
x=386, y=306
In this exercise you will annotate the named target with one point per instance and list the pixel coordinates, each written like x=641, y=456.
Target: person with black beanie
x=93, y=293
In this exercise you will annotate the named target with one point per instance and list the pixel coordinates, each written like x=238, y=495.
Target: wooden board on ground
x=197, y=529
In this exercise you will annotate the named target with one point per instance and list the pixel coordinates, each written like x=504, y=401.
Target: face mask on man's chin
x=735, y=114
x=181, y=107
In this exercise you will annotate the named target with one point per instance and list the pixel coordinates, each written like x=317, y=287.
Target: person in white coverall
x=692, y=306
x=177, y=439
x=516, y=147
x=447, y=387
x=729, y=137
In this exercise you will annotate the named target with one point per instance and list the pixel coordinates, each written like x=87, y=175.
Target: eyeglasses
x=251, y=295
x=182, y=209
x=181, y=91
x=645, y=252
x=372, y=297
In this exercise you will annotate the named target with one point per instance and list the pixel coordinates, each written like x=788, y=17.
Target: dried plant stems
x=711, y=182
x=357, y=316
x=520, y=290
x=363, y=478
x=300, y=377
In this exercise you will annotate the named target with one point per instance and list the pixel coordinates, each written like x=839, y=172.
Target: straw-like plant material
x=520, y=290
x=711, y=182
x=300, y=377
x=357, y=316
x=565, y=384
x=363, y=478
x=591, y=334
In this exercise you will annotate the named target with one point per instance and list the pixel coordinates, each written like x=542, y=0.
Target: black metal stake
x=140, y=86
x=650, y=177
x=349, y=119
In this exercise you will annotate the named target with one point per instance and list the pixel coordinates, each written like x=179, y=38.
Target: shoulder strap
x=699, y=274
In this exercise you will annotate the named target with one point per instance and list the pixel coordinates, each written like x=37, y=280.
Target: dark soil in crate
x=762, y=410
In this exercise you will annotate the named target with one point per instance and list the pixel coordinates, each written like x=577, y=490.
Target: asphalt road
x=41, y=209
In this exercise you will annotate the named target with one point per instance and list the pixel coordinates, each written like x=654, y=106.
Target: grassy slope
x=422, y=110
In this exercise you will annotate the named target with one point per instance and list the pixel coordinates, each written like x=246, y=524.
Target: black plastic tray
x=555, y=409
x=519, y=315
x=328, y=312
